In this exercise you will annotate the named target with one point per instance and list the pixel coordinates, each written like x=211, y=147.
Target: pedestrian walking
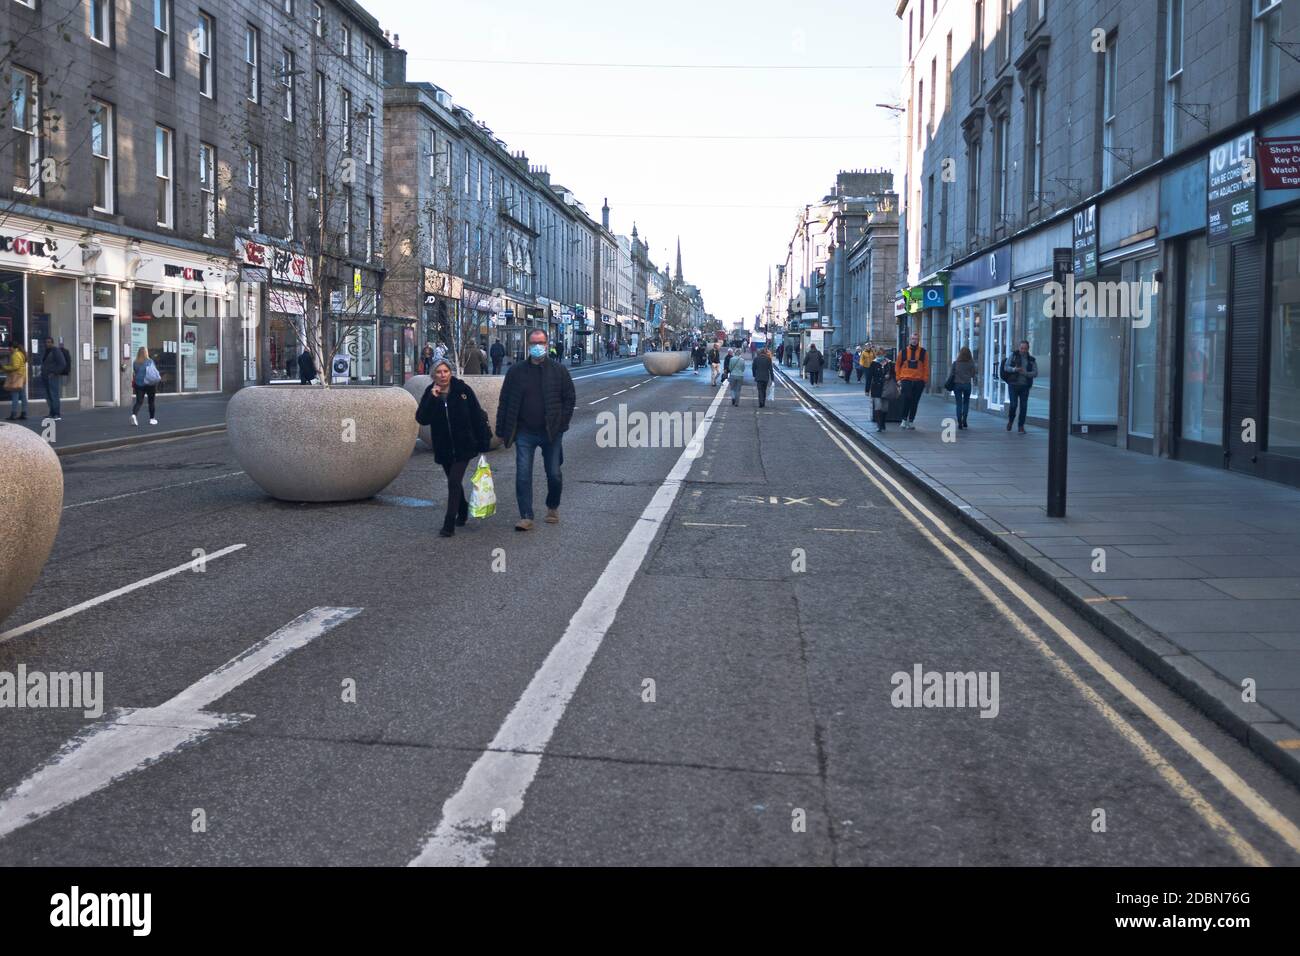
x=913, y=371
x=1019, y=371
x=439, y=352
x=459, y=429
x=16, y=383
x=813, y=363
x=425, y=365
x=846, y=366
x=498, y=355
x=144, y=382
x=736, y=375
x=715, y=360
x=959, y=383
x=865, y=357
x=54, y=365
x=473, y=359
x=726, y=366
x=306, y=367
x=761, y=369
x=780, y=352
x=534, y=411
x=882, y=386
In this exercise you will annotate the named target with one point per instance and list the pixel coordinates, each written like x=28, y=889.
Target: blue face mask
x=537, y=351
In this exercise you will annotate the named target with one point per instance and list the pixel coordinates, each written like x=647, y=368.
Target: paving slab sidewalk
x=1202, y=565
x=98, y=428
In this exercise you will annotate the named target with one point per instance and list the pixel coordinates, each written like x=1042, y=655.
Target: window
x=464, y=253
x=934, y=83
x=320, y=104
x=972, y=190
x=1108, y=84
x=288, y=7
x=318, y=20
x=102, y=151
x=370, y=60
x=347, y=220
x=370, y=137
x=1265, y=61
x=491, y=189
x=25, y=112
x=478, y=183
x=289, y=193
x=478, y=253
x=1037, y=14
x=446, y=163
x=920, y=112
x=1205, y=339
x=203, y=35
x=208, y=189
x=370, y=228
x=254, y=171
x=920, y=27
x=252, y=55
x=468, y=162
x=909, y=35
x=287, y=79
x=977, y=53
x=1001, y=170
x=164, y=166
x=433, y=154
x=927, y=244
x=1004, y=34
x=941, y=246
x=345, y=42
x=947, y=73
x=347, y=120
x=162, y=36
x=1034, y=145
x=101, y=21
x=1173, y=75
x=491, y=260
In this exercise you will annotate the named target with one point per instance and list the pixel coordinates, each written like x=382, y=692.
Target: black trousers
x=1019, y=399
x=912, y=391
x=762, y=391
x=140, y=392
x=455, y=487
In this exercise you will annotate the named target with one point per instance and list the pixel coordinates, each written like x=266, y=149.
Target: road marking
x=131, y=494
x=402, y=501
x=848, y=530
x=702, y=524
x=608, y=371
x=95, y=602
x=1264, y=811
x=493, y=791
x=134, y=738
x=1291, y=743
x=599, y=400
x=620, y=391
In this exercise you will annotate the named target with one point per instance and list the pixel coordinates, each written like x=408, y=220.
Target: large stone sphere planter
x=309, y=443
x=665, y=363
x=30, y=507
x=416, y=385
x=487, y=389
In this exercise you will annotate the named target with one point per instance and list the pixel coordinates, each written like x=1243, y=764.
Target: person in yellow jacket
x=16, y=383
x=913, y=370
x=866, y=355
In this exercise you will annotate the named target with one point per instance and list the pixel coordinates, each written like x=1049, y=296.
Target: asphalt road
x=764, y=602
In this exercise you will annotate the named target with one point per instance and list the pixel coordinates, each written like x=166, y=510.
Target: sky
x=722, y=157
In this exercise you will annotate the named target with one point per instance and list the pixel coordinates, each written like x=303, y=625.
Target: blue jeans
x=552, y=458
x=15, y=396
x=1019, y=399
x=53, y=392
x=961, y=395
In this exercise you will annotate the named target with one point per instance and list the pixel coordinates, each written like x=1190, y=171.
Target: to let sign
x=1084, y=235
x=1230, y=191
x=1279, y=162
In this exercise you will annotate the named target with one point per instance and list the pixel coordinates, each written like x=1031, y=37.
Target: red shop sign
x=1279, y=162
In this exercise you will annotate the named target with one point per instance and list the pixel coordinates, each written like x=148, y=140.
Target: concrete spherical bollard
x=308, y=443
x=416, y=385
x=30, y=508
x=487, y=389
x=665, y=363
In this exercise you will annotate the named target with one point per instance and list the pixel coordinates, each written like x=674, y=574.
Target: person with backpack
x=306, y=367
x=726, y=366
x=913, y=371
x=1019, y=371
x=54, y=365
x=458, y=428
x=16, y=382
x=883, y=389
x=144, y=382
x=959, y=382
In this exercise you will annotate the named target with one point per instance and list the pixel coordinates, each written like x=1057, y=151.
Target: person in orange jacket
x=913, y=370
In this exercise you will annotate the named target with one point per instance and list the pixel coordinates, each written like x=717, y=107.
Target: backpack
x=1008, y=372
x=151, y=374
x=67, y=358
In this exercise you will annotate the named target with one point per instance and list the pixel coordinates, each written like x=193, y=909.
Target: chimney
x=395, y=67
x=604, y=214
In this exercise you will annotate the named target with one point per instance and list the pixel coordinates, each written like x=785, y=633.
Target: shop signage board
x=443, y=284
x=1230, y=198
x=1084, y=236
x=1279, y=162
x=283, y=265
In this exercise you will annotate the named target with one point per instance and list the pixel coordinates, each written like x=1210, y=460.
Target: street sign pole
x=1058, y=429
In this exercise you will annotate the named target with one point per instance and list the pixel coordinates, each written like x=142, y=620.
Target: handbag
x=889, y=392
x=951, y=384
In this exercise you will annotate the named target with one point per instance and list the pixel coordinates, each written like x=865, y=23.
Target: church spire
x=679, y=260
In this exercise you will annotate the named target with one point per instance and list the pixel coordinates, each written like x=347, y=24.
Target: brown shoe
x=525, y=524
x=552, y=516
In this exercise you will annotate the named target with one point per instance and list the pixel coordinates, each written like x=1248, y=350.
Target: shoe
x=133, y=421
x=153, y=421
x=1008, y=425
x=448, y=528
x=1022, y=429
x=22, y=417
x=552, y=516
x=58, y=418
x=12, y=418
x=462, y=514
x=524, y=524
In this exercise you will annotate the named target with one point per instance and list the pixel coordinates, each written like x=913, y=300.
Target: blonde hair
x=142, y=355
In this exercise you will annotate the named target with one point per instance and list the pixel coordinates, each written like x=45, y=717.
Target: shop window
x=154, y=328
x=1284, y=347
x=1038, y=330
x=200, y=343
x=1205, y=335
x=52, y=313
x=1142, y=369
x=1099, y=346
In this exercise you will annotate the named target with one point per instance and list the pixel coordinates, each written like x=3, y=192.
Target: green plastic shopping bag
x=482, y=496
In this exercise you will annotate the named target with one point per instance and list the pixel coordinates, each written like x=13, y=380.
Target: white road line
x=620, y=391
x=493, y=790
x=135, y=738
x=608, y=371
x=96, y=601
x=703, y=524
x=132, y=494
x=599, y=400
x=848, y=530
x=1264, y=811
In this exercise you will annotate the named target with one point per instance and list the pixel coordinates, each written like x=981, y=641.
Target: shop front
x=286, y=316
x=980, y=318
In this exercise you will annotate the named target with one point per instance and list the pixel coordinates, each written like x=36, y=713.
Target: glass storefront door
x=995, y=390
x=1098, y=358
x=1142, y=359
x=1204, y=342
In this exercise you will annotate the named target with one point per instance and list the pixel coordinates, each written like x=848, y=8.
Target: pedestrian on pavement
x=1019, y=371
x=473, y=359
x=144, y=382
x=726, y=366
x=54, y=364
x=814, y=362
x=16, y=382
x=439, y=352
x=306, y=367
x=961, y=376
x=846, y=366
x=883, y=389
x=425, y=365
x=762, y=372
x=736, y=375
x=715, y=360
x=534, y=411
x=865, y=357
x=913, y=371
x=780, y=352
x=498, y=355
x=459, y=429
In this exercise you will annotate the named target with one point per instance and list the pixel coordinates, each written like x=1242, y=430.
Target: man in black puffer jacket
x=534, y=411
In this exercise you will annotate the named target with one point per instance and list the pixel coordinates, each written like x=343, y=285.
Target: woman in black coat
x=880, y=383
x=459, y=429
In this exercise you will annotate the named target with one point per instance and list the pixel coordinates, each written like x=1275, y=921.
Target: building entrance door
x=996, y=353
x=104, y=367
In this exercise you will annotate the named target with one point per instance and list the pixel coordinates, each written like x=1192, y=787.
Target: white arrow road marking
x=135, y=738
x=94, y=602
x=497, y=782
